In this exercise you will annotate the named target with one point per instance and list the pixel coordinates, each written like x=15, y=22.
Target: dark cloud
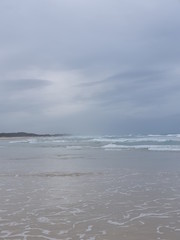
x=25, y=84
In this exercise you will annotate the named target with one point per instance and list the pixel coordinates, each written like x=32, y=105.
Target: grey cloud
x=126, y=54
x=24, y=84
x=134, y=76
x=148, y=91
x=61, y=36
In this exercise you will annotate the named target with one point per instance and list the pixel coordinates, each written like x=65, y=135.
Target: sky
x=90, y=66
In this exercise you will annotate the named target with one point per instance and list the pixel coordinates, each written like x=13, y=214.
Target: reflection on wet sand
x=128, y=205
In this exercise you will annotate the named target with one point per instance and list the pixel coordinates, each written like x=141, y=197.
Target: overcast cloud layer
x=90, y=66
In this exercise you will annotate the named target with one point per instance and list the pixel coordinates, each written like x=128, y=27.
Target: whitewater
x=169, y=142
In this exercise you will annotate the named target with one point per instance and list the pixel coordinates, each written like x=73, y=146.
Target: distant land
x=24, y=134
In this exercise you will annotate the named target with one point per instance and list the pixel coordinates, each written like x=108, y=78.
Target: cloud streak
x=25, y=84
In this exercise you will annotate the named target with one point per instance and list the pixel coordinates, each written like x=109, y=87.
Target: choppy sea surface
x=169, y=142
x=90, y=188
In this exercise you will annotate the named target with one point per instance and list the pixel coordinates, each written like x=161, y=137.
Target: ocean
x=90, y=187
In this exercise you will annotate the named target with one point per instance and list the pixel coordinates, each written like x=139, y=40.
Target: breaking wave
x=151, y=142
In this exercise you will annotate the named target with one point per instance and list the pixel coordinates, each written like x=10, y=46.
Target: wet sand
x=82, y=198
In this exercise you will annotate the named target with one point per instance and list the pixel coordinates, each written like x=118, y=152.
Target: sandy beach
x=88, y=194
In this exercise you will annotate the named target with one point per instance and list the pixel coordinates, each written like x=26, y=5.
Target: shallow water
x=51, y=192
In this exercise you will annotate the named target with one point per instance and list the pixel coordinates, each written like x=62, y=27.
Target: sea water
x=90, y=187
